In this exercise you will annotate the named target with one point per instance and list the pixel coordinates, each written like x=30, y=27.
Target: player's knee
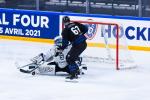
x=69, y=61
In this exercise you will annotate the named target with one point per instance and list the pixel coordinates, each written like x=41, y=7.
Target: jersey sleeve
x=83, y=27
x=65, y=41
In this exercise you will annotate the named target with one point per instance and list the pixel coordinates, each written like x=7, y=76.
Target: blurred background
x=138, y=8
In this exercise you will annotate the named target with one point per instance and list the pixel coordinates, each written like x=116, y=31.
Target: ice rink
x=99, y=83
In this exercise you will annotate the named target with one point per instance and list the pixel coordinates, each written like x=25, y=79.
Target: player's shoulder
x=73, y=23
x=77, y=23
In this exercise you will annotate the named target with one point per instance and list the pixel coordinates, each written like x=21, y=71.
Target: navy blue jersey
x=74, y=33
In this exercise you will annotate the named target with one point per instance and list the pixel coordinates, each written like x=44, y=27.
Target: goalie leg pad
x=47, y=69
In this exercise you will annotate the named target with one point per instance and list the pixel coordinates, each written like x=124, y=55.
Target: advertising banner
x=30, y=24
x=132, y=32
x=44, y=26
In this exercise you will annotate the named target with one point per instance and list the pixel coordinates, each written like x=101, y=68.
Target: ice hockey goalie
x=51, y=62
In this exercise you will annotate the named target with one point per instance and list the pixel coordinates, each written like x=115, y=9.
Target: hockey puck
x=33, y=73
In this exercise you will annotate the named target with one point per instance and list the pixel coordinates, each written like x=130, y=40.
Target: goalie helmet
x=58, y=41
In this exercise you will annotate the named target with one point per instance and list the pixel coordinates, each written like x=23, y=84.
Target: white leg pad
x=47, y=69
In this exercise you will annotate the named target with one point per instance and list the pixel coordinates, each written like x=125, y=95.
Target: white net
x=108, y=45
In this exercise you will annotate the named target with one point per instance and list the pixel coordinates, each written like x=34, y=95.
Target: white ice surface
x=99, y=83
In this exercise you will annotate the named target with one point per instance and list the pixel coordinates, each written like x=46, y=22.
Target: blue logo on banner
x=92, y=29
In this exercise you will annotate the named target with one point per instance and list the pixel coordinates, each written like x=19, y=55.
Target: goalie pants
x=74, y=54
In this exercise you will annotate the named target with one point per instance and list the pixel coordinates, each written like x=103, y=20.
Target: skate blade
x=72, y=80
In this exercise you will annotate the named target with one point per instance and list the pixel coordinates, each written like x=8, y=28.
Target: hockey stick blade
x=28, y=71
x=24, y=71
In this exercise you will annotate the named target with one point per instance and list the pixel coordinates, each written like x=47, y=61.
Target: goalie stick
x=32, y=64
x=19, y=67
x=29, y=71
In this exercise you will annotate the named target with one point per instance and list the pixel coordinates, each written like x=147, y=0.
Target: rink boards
x=38, y=26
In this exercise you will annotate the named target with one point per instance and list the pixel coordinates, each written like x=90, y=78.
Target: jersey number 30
x=76, y=30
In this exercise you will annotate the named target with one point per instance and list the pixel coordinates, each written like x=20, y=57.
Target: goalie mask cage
x=116, y=47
